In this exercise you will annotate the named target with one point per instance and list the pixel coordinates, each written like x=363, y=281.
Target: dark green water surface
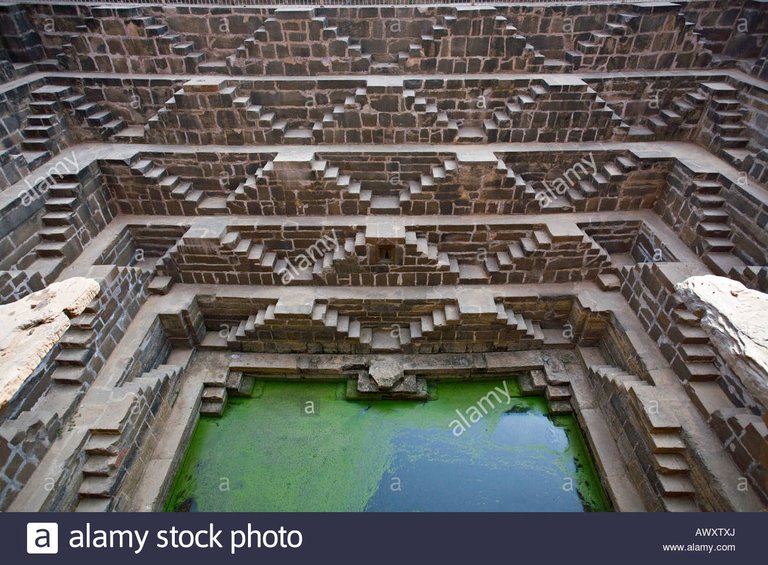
x=271, y=453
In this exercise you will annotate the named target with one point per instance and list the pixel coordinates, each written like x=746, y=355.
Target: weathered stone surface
x=32, y=326
x=386, y=372
x=734, y=318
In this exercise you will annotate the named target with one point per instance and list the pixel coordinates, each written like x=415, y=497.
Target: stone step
x=97, y=487
x=715, y=215
x=64, y=189
x=666, y=443
x=697, y=353
x=69, y=375
x=44, y=131
x=731, y=142
x=57, y=218
x=684, y=316
x=51, y=92
x=99, y=118
x=707, y=200
x=725, y=104
x=113, y=127
x=142, y=166
x=74, y=101
x=61, y=204
x=42, y=119
x=99, y=465
x=688, y=334
x=182, y=190
x=670, y=117
x=183, y=48
x=626, y=164
x=74, y=357
x=695, y=98
x=215, y=394
x=58, y=233
x=683, y=107
x=729, y=130
x=725, y=117
x=713, y=229
x=676, y=486
x=722, y=263
x=93, y=505
x=670, y=464
x=700, y=372
x=38, y=144
x=717, y=244
x=717, y=88
x=51, y=249
x=680, y=504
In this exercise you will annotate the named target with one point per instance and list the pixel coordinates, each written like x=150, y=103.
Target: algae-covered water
x=303, y=447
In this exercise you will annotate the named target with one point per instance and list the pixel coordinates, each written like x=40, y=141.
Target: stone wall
x=377, y=40
x=731, y=29
x=66, y=372
x=730, y=315
x=425, y=254
x=719, y=219
x=20, y=41
x=303, y=324
x=325, y=183
x=713, y=387
x=51, y=221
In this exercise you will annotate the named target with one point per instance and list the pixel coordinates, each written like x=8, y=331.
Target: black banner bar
x=386, y=538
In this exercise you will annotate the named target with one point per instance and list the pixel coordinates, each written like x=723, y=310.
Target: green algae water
x=302, y=447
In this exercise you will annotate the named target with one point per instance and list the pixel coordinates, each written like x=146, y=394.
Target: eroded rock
x=736, y=320
x=30, y=327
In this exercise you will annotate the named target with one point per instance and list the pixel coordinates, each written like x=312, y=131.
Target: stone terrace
x=461, y=191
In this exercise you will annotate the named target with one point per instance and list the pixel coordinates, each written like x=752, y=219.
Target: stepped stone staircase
x=713, y=112
x=173, y=52
x=558, y=394
x=61, y=234
x=301, y=33
x=712, y=225
x=341, y=116
x=93, y=115
x=623, y=37
x=606, y=182
x=233, y=250
x=695, y=356
x=683, y=117
x=271, y=39
x=47, y=131
x=515, y=121
x=168, y=186
x=376, y=200
x=218, y=390
x=45, y=134
x=388, y=339
x=726, y=112
x=660, y=439
x=114, y=437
